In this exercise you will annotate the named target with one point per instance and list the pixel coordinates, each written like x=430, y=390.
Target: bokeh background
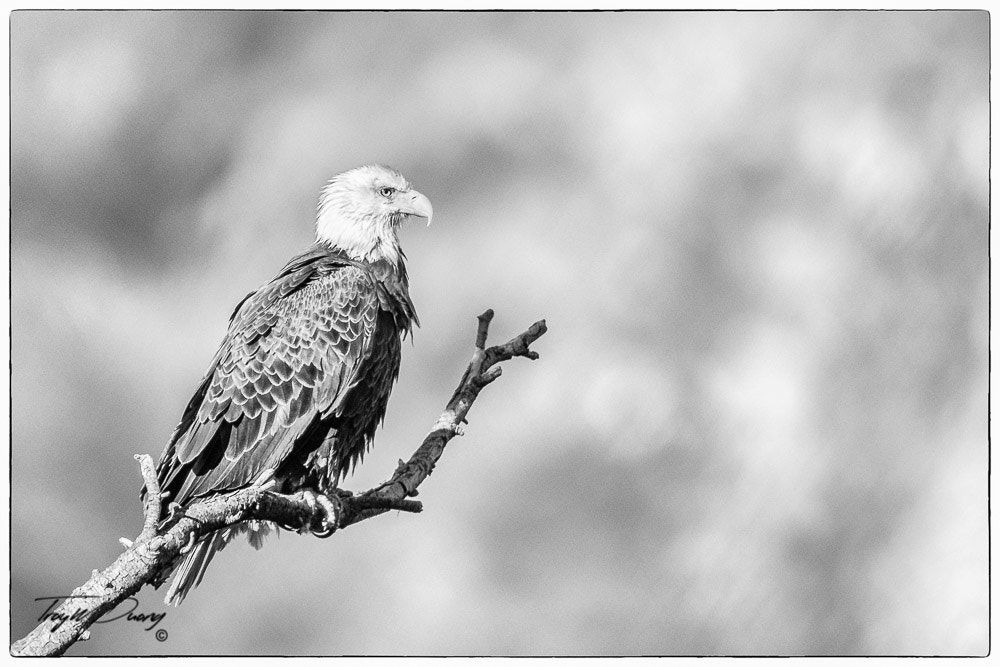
x=759, y=420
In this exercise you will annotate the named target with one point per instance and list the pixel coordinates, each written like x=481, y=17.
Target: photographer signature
x=129, y=605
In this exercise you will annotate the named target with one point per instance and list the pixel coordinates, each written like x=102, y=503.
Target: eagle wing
x=289, y=359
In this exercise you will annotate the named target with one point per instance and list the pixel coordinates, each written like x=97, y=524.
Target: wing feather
x=292, y=352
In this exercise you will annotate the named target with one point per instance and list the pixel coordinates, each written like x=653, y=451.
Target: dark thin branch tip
x=414, y=506
x=534, y=332
x=485, y=378
x=403, y=505
x=484, y=327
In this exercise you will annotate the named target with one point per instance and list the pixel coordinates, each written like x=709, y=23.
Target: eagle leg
x=325, y=513
x=173, y=511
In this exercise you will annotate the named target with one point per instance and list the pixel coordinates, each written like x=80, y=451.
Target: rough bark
x=163, y=540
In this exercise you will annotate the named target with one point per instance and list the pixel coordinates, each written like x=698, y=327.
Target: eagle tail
x=191, y=570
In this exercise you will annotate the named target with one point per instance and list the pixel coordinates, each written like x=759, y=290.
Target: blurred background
x=759, y=420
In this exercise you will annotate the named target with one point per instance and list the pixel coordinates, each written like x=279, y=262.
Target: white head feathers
x=360, y=211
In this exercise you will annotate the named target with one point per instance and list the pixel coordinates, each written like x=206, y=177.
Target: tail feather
x=191, y=570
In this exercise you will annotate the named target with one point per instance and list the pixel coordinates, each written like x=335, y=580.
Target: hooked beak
x=416, y=204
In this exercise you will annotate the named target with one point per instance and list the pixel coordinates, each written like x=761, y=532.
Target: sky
x=758, y=424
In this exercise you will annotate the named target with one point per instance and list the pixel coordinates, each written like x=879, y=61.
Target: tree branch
x=161, y=542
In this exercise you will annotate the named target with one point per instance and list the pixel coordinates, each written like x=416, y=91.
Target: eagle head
x=360, y=212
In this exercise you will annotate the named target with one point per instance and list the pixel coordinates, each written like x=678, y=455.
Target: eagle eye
x=386, y=191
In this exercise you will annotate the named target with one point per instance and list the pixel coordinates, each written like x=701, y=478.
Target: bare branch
x=154, y=497
x=162, y=541
x=484, y=328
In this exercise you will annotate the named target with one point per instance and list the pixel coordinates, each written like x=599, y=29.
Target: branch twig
x=159, y=544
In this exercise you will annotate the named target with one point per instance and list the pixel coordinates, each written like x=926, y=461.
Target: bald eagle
x=301, y=381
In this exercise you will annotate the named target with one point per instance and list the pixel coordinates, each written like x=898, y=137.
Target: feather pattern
x=302, y=377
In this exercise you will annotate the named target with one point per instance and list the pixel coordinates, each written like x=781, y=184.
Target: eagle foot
x=173, y=510
x=325, y=517
x=186, y=549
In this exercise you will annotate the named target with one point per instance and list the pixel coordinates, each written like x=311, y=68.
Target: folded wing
x=289, y=360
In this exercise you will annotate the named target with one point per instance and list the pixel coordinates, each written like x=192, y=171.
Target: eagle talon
x=186, y=549
x=325, y=512
x=173, y=510
x=310, y=497
x=323, y=534
x=329, y=517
